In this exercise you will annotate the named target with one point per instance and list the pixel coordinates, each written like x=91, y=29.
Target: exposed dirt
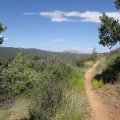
x=111, y=94
x=13, y=116
x=17, y=110
x=100, y=110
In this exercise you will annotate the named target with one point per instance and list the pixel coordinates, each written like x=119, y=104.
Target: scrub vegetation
x=50, y=88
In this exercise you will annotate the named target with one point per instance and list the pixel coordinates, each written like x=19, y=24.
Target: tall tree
x=109, y=30
x=117, y=3
x=2, y=28
x=94, y=54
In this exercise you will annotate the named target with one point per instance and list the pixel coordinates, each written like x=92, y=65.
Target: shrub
x=16, y=78
x=111, y=70
x=74, y=106
x=74, y=103
x=77, y=81
x=47, y=96
x=97, y=84
x=49, y=83
x=56, y=99
x=79, y=62
x=45, y=100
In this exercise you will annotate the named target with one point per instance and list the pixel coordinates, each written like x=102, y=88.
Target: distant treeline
x=7, y=53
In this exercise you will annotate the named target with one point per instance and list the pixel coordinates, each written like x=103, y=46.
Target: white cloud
x=29, y=14
x=115, y=15
x=75, y=16
x=59, y=19
x=89, y=16
x=55, y=16
x=72, y=14
x=58, y=40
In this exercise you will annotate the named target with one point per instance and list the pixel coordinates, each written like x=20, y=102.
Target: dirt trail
x=100, y=111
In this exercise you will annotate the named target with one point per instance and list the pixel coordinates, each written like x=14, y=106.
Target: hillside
x=48, y=84
x=9, y=52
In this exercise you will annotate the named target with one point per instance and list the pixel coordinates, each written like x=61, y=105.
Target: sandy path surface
x=100, y=111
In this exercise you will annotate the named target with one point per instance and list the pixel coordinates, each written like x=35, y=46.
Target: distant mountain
x=72, y=51
x=13, y=51
x=8, y=52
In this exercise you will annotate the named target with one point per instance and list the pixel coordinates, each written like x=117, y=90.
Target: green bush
x=45, y=100
x=97, y=84
x=59, y=98
x=77, y=81
x=74, y=106
x=110, y=71
x=74, y=103
x=47, y=96
x=48, y=84
x=17, y=77
x=79, y=62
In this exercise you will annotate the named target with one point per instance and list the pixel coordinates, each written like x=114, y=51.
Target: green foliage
x=2, y=115
x=60, y=78
x=117, y=4
x=17, y=77
x=74, y=106
x=77, y=81
x=47, y=96
x=97, y=84
x=79, y=62
x=94, y=55
x=109, y=69
x=7, y=53
x=74, y=102
x=45, y=81
x=93, y=58
x=45, y=100
x=2, y=28
x=109, y=31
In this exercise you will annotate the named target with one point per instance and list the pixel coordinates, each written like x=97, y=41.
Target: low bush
x=97, y=84
x=79, y=62
x=74, y=106
x=110, y=71
x=17, y=78
x=60, y=96
x=77, y=81
x=45, y=100
x=48, y=94
x=52, y=85
x=74, y=103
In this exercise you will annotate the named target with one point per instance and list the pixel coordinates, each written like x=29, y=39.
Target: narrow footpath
x=100, y=111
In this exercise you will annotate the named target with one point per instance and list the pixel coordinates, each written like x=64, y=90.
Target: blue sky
x=54, y=25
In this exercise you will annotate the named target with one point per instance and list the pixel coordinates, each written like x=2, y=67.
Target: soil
x=99, y=109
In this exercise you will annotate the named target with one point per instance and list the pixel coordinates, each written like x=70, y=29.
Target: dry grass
x=111, y=95
x=2, y=114
x=19, y=108
x=74, y=107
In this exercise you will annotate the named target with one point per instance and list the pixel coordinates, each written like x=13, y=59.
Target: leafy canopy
x=2, y=28
x=117, y=3
x=109, y=30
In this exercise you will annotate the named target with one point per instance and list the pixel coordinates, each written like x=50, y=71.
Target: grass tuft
x=77, y=81
x=97, y=84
